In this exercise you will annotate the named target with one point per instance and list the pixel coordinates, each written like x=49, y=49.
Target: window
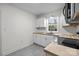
x=52, y=24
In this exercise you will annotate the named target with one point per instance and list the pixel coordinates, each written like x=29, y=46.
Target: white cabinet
x=39, y=39
x=41, y=22
x=44, y=40
x=52, y=39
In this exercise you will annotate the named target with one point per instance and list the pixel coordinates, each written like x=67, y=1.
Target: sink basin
x=50, y=33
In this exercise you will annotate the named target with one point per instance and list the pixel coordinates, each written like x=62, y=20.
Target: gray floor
x=32, y=50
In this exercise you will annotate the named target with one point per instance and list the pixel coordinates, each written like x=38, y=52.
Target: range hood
x=69, y=12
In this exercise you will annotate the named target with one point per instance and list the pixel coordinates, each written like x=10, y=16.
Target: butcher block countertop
x=64, y=35
x=60, y=50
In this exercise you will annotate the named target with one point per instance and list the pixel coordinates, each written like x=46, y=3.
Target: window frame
x=53, y=24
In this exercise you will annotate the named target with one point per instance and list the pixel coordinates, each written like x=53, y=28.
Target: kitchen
x=52, y=26
x=54, y=40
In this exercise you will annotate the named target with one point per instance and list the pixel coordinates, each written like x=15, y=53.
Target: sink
x=49, y=33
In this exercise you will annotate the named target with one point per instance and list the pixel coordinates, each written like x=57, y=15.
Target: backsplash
x=69, y=30
x=41, y=29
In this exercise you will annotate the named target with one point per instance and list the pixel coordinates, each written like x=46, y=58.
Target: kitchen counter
x=64, y=35
x=60, y=50
x=71, y=36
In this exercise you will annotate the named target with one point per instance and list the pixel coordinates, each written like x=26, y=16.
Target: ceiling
x=38, y=8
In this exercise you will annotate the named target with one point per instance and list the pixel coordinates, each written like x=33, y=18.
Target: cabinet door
x=55, y=39
x=43, y=40
x=46, y=40
x=38, y=23
x=39, y=39
x=51, y=39
x=34, y=38
x=41, y=22
x=45, y=22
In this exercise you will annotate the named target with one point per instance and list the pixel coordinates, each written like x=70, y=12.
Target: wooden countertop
x=64, y=35
x=71, y=36
x=60, y=50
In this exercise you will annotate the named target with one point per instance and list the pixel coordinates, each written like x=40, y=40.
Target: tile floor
x=32, y=50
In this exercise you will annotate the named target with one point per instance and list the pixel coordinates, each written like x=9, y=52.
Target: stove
x=73, y=43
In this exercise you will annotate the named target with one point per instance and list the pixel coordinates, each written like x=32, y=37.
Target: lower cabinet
x=44, y=40
x=53, y=39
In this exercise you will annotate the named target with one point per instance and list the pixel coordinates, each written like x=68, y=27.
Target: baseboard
x=39, y=45
x=11, y=51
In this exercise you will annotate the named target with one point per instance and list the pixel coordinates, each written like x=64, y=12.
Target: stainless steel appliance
x=72, y=43
x=68, y=12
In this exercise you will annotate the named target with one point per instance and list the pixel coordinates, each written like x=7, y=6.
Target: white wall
x=0, y=36
x=17, y=29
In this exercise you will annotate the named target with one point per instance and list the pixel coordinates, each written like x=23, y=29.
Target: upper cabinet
x=41, y=22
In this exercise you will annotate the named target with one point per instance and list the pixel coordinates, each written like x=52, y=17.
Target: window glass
x=52, y=24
